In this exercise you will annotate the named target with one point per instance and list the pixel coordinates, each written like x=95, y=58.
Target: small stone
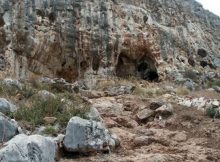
x=145, y=114
x=50, y=120
x=217, y=89
x=180, y=137
x=126, y=122
x=110, y=123
x=142, y=141
x=155, y=105
x=46, y=95
x=215, y=104
x=165, y=110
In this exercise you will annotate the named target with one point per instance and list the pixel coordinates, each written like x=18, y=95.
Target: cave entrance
x=143, y=68
x=147, y=70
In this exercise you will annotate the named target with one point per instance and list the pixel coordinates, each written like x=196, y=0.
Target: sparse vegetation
x=38, y=109
x=148, y=92
x=50, y=130
x=191, y=74
x=213, y=112
x=7, y=90
x=212, y=84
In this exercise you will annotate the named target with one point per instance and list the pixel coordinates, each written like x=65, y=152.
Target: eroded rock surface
x=29, y=148
x=8, y=128
x=84, y=136
x=138, y=38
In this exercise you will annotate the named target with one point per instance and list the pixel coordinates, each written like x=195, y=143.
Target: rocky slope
x=149, y=39
x=127, y=81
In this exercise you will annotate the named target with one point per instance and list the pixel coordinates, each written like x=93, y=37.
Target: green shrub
x=213, y=113
x=212, y=84
x=50, y=130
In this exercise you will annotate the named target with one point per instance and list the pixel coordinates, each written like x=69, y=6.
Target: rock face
x=86, y=136
x=29, y=148
x=65, y=38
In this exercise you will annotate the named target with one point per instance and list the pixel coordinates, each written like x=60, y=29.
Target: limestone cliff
x=144, y=38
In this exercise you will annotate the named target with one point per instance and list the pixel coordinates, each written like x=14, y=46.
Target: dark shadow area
x=202, y=52
x=152, y=76
x=144, y=68
x=203, y=63
x=147, y=70
x=2, y=22
x=125, y=67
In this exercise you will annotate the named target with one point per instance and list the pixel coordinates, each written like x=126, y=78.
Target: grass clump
x=38, y=109
x=50, y=130
x=148, y=92
x=213, y=112
x=212, y=84
x=8, y=90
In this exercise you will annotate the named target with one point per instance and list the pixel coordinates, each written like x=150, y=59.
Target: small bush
x=50, y=130
x=213, y=113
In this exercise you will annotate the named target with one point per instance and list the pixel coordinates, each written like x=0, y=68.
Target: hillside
x=109, y=80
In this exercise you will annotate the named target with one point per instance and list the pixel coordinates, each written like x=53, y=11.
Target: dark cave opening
x=147, y=70
x=143, y=68
x=152, y=76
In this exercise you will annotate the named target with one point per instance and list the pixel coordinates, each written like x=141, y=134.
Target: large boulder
x=12, y=83
x=8, y=128
x=35, y=148
x=6, y=106
x=86, y=136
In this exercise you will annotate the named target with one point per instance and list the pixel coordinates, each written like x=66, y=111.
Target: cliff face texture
x=143, y=38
